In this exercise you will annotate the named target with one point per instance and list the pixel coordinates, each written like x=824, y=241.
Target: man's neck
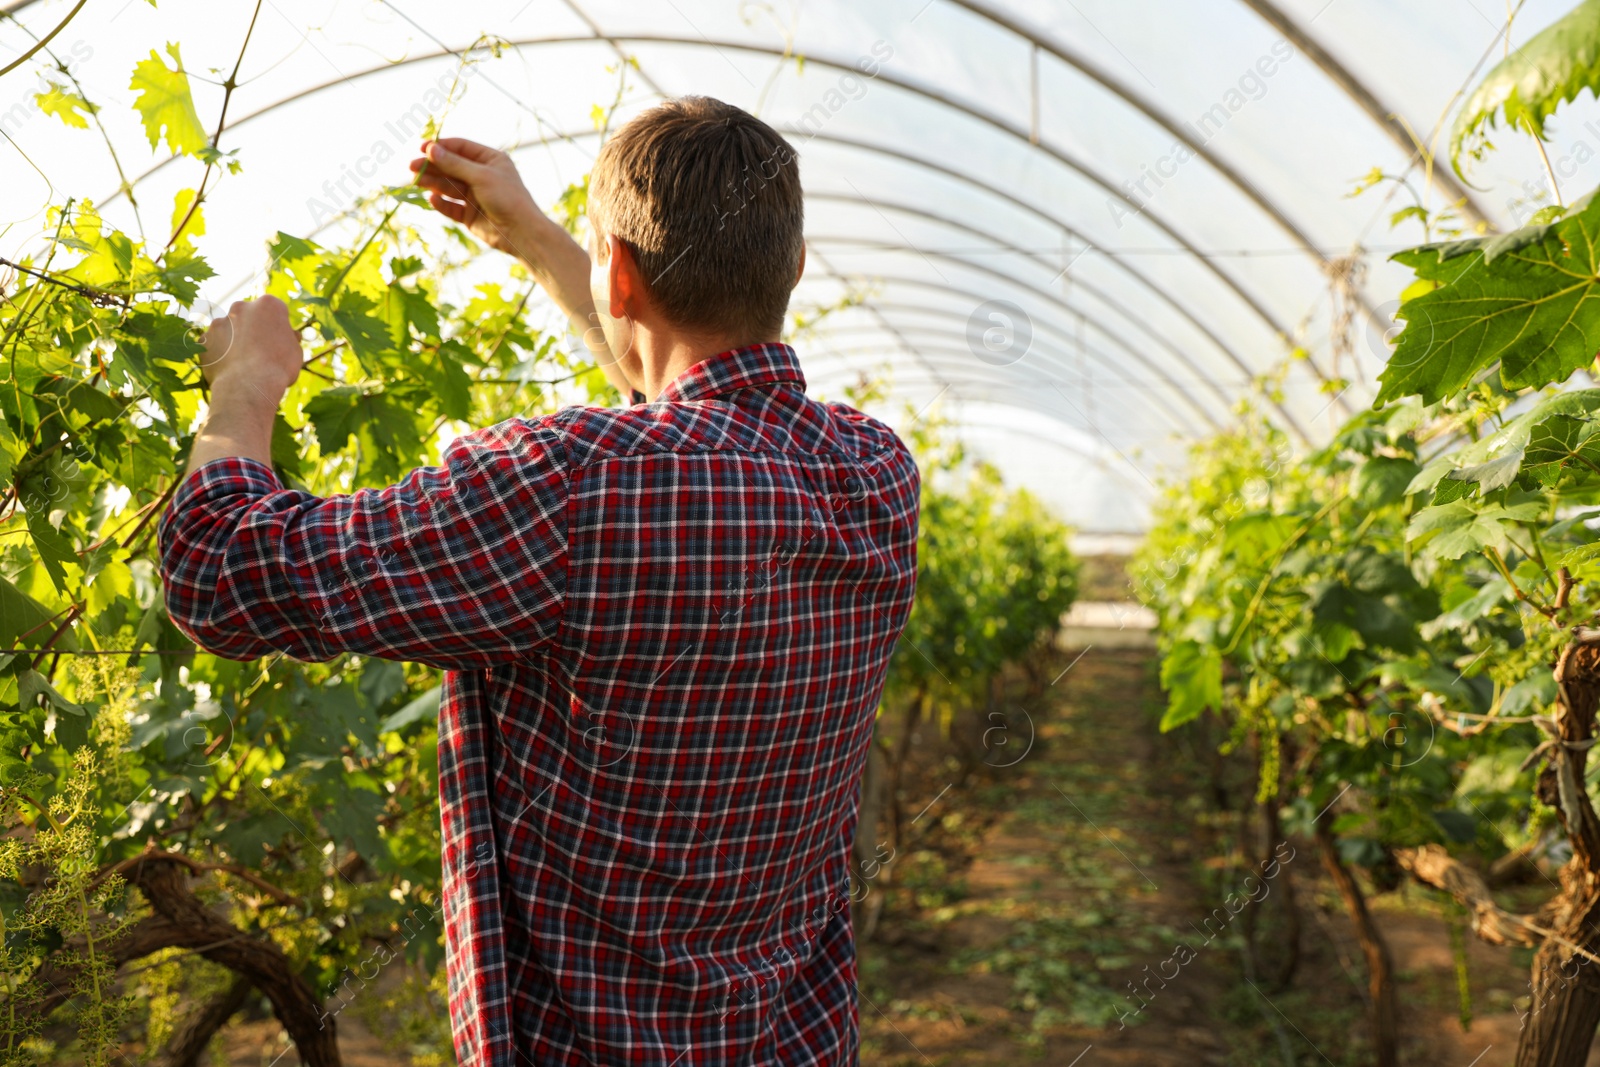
x=664, y=354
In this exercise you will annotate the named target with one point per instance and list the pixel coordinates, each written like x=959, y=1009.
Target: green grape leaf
x=246, y=839
x=1533, y=81
x=1378, y=623
x=338, y=413
x=1534, y=310
x=381, y=680
x=1383, y=480
x=297, y=258
x=368, y=335
x=71, y=728
x=1559, y=443
x=1583, y=561
x=1454, y=529
x=1451, y=489
x=1492, y=474
x=410, y=310
x=23, y=619
x=1431, y=475
x=1191, y=673
x=286, y=447
x=11, y=450
x=454, y=387
x=1538, y=690
x=65, y=105
x=1378, y=573
x=1427, y=676
x=35, y=690
x=425, y=708
x=1480, y=603
x=55, y=549
x=354, y=818
x=166, y=105
x=149, y=630
x=145, y=341
x=335, y=415
x=181, y=276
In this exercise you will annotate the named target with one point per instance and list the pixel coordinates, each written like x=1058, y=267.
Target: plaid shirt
x=666, y=630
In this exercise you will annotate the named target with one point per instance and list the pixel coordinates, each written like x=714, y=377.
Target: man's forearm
x=239, y=423
x=561, y=266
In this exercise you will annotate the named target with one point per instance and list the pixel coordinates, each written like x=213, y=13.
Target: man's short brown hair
x=708, y=198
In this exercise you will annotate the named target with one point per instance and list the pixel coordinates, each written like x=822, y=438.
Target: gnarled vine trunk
x=1278, y=971
x=164, y=883
x=1559, y=1027
x=868, y=853
x=192, y=1036
x=1382, y=1008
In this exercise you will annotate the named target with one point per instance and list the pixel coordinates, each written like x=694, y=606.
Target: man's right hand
x=480, y=188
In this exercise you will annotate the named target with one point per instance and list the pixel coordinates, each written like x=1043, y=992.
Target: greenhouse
x=463, y=600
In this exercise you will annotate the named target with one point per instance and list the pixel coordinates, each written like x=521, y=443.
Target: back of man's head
x=708, y=198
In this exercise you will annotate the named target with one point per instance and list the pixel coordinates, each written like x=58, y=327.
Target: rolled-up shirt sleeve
x=458, y=566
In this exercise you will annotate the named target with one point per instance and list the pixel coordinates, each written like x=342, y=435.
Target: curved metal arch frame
x=1160, y=292
x=1104, y=448
x=1058, y=355
x=1337, y=73
x=816, y=254
x=1068, y=341
x=1289, y=417
x=951, y=358
x=1065, y=159
x=1098, y=294
x=1143, y=484
x=1115, y=338
x=1049, y=417
x=1383, y=116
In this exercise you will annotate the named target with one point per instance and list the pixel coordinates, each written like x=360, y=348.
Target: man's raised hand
x=480, y=188
x=254, y=346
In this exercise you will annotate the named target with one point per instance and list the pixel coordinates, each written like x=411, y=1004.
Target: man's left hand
x=253, y=346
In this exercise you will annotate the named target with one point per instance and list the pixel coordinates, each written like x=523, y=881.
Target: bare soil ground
x=1038, y=919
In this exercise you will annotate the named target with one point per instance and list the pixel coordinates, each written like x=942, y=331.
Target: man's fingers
x=219, y=338
x=472, y=150
x=220, y=333
x=453, y=164
x=450, y=209
x=443, y=184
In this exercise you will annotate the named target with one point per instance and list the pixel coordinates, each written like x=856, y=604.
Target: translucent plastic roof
x=1077, y=228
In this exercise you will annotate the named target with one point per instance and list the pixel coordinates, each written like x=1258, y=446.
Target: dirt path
x=1090, y=926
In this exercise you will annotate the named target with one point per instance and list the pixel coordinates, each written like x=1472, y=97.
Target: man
x=665, y=628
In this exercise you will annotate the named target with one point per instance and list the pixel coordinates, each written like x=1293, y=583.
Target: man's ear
x=801, y=273
x=628, y=294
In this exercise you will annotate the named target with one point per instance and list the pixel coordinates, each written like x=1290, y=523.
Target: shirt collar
x=762, y=364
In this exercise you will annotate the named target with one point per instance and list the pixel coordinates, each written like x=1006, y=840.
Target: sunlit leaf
x=165, y=104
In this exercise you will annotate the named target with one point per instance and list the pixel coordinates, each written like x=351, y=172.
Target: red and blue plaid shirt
x=665, y=631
